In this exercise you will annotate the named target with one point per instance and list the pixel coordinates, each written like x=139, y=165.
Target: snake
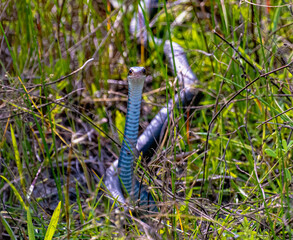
x=136, y=77
x=119, y=176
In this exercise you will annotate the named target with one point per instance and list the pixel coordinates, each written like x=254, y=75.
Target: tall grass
x=223, y=170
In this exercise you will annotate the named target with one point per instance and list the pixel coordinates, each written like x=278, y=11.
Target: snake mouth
x=137, y=80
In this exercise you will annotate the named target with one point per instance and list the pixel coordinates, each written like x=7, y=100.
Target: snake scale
x=149, y=139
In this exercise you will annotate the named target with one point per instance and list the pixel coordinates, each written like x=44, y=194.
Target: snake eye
x=144, y=71
x=130, y=72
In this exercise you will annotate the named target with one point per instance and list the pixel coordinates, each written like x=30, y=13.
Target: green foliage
x=53, y=223
x=120, y=123
x=55, y=136
x=30, y=226
x=8, y=228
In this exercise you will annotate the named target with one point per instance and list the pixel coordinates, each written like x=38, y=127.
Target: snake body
x=128, y=153
x=148, y=141
x=136, y=78
x=150, y=138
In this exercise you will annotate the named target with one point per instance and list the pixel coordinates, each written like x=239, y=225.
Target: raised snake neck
x=149, y=139
x=128, y=151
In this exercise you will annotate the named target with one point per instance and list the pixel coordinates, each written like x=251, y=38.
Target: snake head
x=136, y=75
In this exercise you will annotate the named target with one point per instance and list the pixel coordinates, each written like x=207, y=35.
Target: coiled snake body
x=147, y=142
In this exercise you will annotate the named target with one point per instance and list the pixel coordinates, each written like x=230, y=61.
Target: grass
x=224, y=173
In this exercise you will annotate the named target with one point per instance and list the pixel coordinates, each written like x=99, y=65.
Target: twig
x=274, y=117
x=54, y=82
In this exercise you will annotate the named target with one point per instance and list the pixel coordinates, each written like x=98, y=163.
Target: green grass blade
x=30, y=225
x=17, y=158
x=15, y=192
x=7, y=228
x=53, y=223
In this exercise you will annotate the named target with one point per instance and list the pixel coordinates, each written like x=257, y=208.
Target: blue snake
x=147, y=142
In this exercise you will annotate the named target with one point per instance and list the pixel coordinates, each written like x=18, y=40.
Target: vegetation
x=224, y=169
